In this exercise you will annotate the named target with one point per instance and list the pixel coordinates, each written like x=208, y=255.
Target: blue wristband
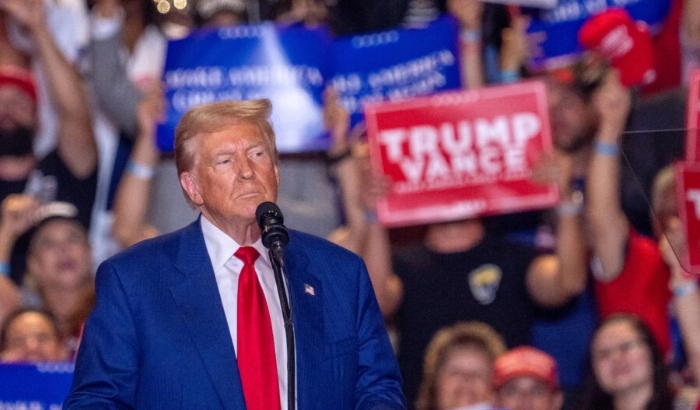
x=509, y=76
x=139, y=170
x=470, y=36
x=606, y=148
x=685, y=289
x=4, y=269
x=371, y=217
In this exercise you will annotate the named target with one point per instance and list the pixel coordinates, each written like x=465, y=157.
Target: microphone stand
x=277, y=258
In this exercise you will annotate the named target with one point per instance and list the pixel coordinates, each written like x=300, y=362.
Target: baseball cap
x=526, y=361
x=207, y=8
x=626, y=44
x=47, y=212
x=20, y=78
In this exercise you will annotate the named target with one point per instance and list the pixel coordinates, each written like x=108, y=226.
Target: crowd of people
x=586, y=305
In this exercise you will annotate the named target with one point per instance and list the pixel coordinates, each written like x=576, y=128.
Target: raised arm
x=116, y=95
x=514, y=50
x=608, y=223
x=469, y=13
x=686, y=295
x=133, y=194
x=554, y=279
x=343, y=166
x=76, y=141
x=362, y=233
x=17, y=213
x=16, y=217
x=10, y=298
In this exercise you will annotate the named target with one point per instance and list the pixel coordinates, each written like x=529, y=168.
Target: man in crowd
x=525, y=378
x=172, y=324
x=69, y=172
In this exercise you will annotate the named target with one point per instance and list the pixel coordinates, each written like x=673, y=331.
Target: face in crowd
x=17, y=121
x=528, y=393
x=465, y=378
x=621, y=358
x=60, y=256
x=31, y=336
x=526, y=378
x=572, y=119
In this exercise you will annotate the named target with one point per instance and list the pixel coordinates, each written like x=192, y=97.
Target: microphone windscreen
x=267, y=209
x=626, y=44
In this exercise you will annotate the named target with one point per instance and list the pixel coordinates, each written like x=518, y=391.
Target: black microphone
x=274, y=234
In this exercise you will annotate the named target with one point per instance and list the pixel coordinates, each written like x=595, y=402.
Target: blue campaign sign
x=285, y=64
x=41, y=386
x=395, y=64
x=556, y=29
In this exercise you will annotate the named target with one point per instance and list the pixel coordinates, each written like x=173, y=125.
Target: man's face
x=233, y=173
x=32, y=338
x=17, y=121
x=17, y=108
x=528, y=393
x=60, y=255
x=571, y=120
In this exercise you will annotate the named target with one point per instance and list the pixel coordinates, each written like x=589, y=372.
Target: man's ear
x=189, y=184
x=277, y=174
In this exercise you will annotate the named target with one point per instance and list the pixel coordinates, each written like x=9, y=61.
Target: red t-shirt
x=641, y=288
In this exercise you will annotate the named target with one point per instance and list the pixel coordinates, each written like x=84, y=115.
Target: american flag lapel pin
x=309, y=289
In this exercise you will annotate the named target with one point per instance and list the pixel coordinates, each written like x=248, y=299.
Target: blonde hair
x=664, y=180
x=474, y=334
x=216, y=116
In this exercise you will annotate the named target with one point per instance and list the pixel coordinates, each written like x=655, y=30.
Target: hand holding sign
x=461, y=154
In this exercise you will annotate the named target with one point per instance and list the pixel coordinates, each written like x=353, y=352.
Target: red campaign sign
x=693, y=118
x=456, y=155
x=688, y=196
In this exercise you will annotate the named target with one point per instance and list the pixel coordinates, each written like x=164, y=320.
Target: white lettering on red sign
x=693, y=195
x=480, y=147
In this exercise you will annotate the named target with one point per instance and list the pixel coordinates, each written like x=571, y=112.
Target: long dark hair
x=593, y=396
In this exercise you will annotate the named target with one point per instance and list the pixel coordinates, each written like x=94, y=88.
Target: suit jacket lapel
x=307, y=315
x=199, y=303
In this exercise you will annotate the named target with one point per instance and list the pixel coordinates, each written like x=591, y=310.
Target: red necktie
x=256, y=346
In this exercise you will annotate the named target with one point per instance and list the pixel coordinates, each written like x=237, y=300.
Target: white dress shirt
x=227, y=269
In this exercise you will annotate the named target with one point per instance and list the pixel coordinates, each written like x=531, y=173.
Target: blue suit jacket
x=158, y=337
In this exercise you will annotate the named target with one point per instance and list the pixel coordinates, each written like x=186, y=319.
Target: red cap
x=18, y=77
x=526, y=361
x=626, y=44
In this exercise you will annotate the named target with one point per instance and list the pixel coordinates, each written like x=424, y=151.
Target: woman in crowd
x=31, y=335
x=458, y=368
x=627, y=368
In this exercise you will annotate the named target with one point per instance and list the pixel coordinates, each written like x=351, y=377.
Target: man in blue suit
x=165, y=332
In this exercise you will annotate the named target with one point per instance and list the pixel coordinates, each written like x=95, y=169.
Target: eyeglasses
x=623, y=348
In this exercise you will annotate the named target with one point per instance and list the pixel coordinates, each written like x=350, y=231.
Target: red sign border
x=456, y=211
x=678, y=169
